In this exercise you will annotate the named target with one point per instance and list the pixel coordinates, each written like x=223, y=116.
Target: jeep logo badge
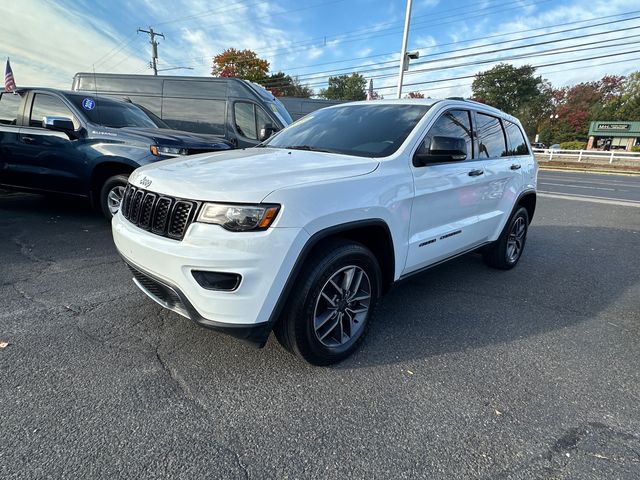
x=145, y=182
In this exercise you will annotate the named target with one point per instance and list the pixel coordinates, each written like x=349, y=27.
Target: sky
x=49, y=41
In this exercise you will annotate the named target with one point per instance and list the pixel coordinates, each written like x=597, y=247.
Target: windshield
x=277, y=107
x=371, y=130
x=110, y=113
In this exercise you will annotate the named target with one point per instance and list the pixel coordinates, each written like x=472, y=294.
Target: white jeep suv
x=304, y=233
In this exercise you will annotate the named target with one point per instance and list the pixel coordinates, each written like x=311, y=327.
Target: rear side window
x=9, y=105
x=195, y=89
x=491, y=138
x=49, y=106
x=454, y=123
x=517, y=143
x=195, y=115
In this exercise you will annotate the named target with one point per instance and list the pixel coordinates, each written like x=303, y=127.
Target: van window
x=123, y=85
x=195, y=89
x=491, y=139
x=9, y=105
x=517, y=143
x=45, y=105
x=195, y=115
x=245, y=120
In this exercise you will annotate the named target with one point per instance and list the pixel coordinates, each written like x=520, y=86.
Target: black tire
x=296, y=330
x=500, y=254
x=117, y=182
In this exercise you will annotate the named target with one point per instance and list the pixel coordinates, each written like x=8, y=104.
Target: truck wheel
x=327, y=316
x=111, y=195
x=505, y=252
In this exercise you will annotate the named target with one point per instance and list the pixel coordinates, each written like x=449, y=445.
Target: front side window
x=369, y=130
x=9, y=105
x=517, y=143
x=245, y=120
x=452, y=124
x=491, y=139
x=45, y=105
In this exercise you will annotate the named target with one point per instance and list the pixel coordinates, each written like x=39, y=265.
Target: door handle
x=28, y=139
x=476, y=173
x=515, y=166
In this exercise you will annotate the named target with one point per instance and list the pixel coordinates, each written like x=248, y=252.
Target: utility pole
x=154, y=48
x=403, y=53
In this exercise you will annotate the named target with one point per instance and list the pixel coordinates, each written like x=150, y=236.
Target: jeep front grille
x=160, y=214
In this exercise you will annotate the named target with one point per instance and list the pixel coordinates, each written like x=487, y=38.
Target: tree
x=345, y=87
x=517, y=91
x=243, y=64
x=414, y=95
x=282, y=85
x=630, y=98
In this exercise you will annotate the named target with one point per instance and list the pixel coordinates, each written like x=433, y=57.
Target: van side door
x=502, y=180
x=50, y=160
x=11, y=107
x=445, y=206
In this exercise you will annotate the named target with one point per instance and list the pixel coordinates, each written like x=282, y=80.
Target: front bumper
x=162, y=268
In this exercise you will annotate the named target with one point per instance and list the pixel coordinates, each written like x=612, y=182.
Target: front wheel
x=327, y=317
x=505, y=252
x=111, y=195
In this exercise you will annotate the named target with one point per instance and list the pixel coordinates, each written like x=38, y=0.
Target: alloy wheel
x=114, y=198
x=515, y=242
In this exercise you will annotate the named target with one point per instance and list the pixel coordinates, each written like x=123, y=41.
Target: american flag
x=370, y=91
x=9, y=82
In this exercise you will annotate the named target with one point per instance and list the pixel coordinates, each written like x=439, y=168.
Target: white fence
x=615, y=157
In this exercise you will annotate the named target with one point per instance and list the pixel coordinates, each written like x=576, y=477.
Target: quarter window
x=517, y=143
x=49, y=106
x=455, y=124
x=491, y=137
x=9, y=105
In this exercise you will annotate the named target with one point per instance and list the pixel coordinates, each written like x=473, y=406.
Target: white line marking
x=544, y=178
x=587, y=198
x=580, y=186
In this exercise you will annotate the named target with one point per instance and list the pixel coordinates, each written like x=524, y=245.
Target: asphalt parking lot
x=467, y=372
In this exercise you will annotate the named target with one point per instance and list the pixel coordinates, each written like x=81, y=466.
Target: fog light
x=227, y=282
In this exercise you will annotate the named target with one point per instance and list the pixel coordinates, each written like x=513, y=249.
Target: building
x=615, y=135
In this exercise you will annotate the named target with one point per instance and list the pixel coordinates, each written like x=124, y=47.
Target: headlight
x=239, y=218
x=161, y=151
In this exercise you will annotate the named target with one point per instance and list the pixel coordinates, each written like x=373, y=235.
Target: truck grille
x=165, y=216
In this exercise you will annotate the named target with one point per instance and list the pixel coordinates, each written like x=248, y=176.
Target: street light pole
x=403, y=52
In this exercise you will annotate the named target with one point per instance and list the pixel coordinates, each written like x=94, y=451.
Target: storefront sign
x=614, y=126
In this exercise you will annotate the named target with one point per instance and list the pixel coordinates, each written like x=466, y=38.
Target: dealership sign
x=614, y=126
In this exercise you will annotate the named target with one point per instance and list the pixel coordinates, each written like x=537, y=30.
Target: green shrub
x=636, y=148
x=573, y=145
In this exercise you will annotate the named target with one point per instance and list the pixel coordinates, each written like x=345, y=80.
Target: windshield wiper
x=309, y=148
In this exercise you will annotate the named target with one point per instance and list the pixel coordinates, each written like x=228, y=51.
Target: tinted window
x=454, y=123
x=200, y=116
x=490, y=137
x=372, y=130
x=262, y=119
x=195, y=89
x=49, y=106
x=111, y=113
x=245, y=119
x=9, y=105
x=517, y=143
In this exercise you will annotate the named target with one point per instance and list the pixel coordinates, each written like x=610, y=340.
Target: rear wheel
x=505, y=252
x=111, y=195
x=327, y=317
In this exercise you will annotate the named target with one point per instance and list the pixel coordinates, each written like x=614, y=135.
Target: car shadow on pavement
x=567, y=275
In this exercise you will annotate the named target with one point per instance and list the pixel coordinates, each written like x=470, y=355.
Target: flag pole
x=403, y=52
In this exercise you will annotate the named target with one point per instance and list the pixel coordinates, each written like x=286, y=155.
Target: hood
x=246, y=175
x=176, y=138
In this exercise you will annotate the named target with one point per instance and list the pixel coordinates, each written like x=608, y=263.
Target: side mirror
x=58, y=124
x=267, y=131
x=441, y=149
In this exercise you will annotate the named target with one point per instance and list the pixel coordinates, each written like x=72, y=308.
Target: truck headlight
x=171, y=151
x=239, y=218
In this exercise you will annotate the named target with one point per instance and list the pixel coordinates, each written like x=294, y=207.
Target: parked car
x=332, y=211
x=243, y=112
x=72, y=143
x=555, y=146
x=539, y=145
